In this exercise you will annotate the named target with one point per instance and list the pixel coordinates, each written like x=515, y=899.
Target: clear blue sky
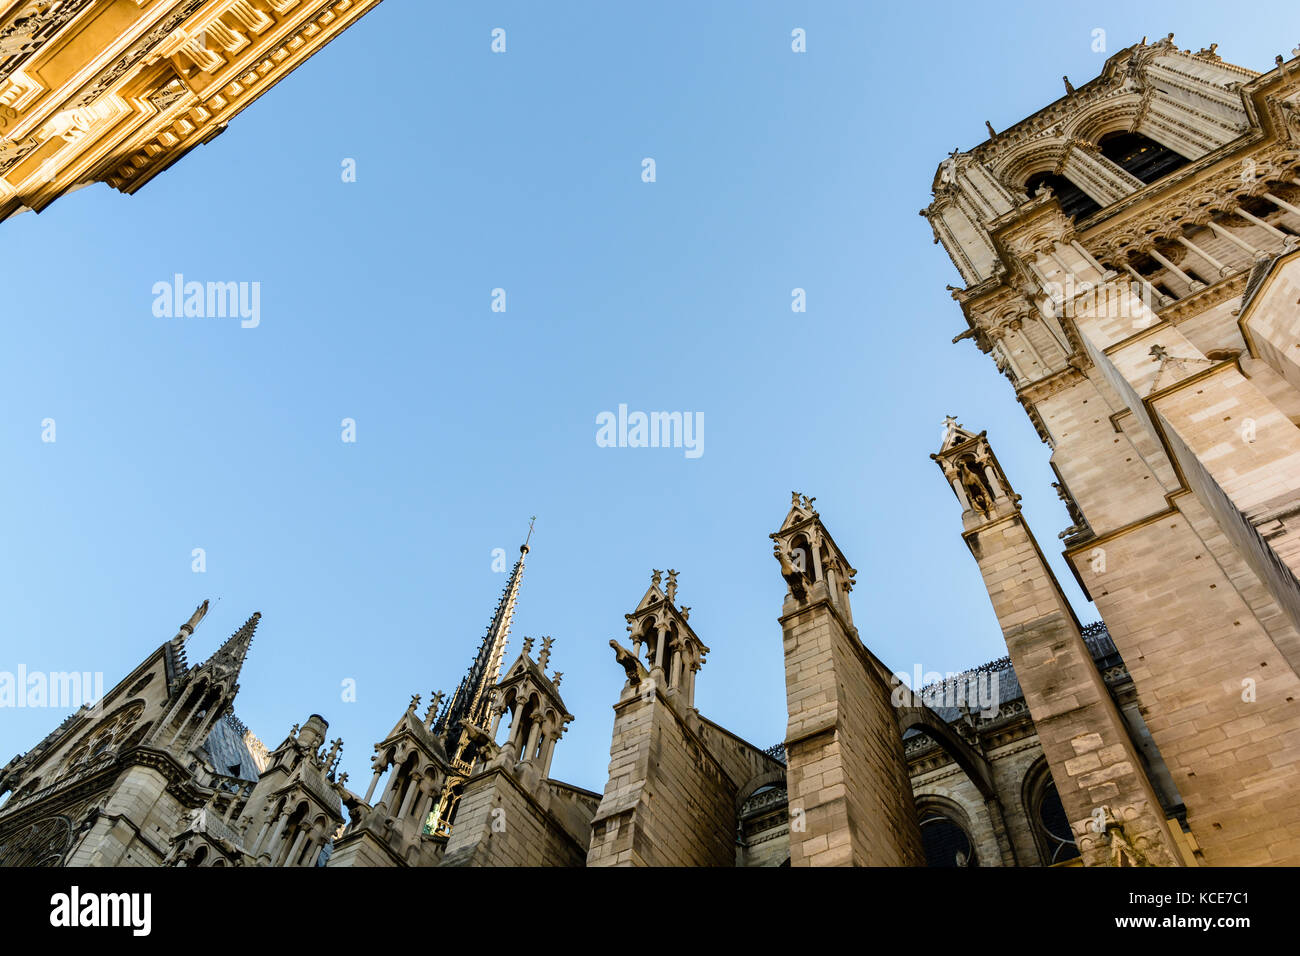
x=522, y=171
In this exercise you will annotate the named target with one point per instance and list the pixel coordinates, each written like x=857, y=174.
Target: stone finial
x=671, y=592
x=655, y=577
x=528, y=647
x=808, y=503
x=1069, y=87
x=198, y=615
x=415, y=702
x=335, y=754
x=343, y=778
x=794, y=499
x=555, y=678
x=293, y=731
x=685, y=613
x=434, y=703
x=545, y=655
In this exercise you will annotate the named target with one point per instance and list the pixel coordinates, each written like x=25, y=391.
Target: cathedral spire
x=472, y=698
x=229, y=657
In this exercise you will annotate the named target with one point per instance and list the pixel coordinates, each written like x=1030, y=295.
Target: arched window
x=944, y=842
x=43, y=843
x=1140, y=155
x=1075, y=203
x=1055, y=826
x=1047, y=819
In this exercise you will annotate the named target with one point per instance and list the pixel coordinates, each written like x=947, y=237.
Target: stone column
x=274, y=838
x=1088, y=257
x=548, y=749
x=1228, y=234
x=374, y=782
x=533, y=731
x=186, y=722
x=1267, y=227
x=292, y=858
x=1155, y=293
x=412, y=789
x=1194, y=284
x=1223, y=270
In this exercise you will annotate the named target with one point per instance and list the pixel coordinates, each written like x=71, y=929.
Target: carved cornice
x=1192, y=305
x=1059, y=381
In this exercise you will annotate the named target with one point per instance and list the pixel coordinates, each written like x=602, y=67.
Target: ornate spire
x=470, y=702
x=229, y=658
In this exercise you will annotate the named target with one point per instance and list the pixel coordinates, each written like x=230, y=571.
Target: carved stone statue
x=977, y=491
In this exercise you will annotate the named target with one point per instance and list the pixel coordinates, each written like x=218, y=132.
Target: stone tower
x=677, y=781
x=850, y=797
x=1130, y=259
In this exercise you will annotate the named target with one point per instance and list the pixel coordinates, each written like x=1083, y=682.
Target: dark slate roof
x=979, y=682
x=229, y=752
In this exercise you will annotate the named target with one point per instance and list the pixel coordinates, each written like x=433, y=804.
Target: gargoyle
x=633, y=667
x=478, y=743
x=793, y=576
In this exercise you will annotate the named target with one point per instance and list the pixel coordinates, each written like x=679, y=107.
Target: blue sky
x=522, y=171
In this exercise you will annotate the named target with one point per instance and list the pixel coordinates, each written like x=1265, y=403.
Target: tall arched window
x=1047, y=819
x=1075, y=203
x=1140, y=155
x=1055, y=826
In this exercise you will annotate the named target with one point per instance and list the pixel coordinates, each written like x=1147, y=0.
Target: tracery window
x=1047, y=819
x=945, y=842
x=108, y=736
x=42, y=844
x=1055, y=826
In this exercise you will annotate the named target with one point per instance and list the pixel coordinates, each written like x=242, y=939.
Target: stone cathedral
x=1133, y=247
